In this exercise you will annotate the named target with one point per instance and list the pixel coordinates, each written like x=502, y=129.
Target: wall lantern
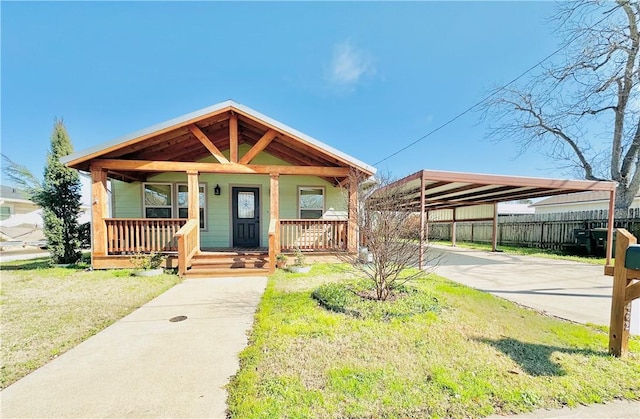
x=216, y=190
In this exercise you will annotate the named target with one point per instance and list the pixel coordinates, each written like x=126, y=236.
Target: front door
x=246, y=217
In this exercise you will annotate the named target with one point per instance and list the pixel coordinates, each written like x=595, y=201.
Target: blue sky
x=366, y=78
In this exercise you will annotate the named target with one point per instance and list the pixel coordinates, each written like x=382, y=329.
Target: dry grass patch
x=479, y=355
x=46, y=311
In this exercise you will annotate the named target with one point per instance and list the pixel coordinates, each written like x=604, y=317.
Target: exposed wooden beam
x=148, y=135
x=233, y=138
x=301, y=142
x=258, y=147
x=197, y=132
x=125, y=176
x=180, y=166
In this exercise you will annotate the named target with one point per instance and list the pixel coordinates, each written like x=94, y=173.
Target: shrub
x=355, y=299
x=333, y=296
x=147, y=261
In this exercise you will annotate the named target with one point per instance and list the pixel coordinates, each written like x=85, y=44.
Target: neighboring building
x=21, y=220
x=14, y=202
x=514, y=208
x=225, y=178
x=583, y=201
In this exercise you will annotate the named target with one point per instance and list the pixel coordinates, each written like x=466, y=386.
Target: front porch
x=225, y=177
x=177, y=239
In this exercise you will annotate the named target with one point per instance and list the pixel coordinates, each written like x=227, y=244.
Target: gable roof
x=174, y=140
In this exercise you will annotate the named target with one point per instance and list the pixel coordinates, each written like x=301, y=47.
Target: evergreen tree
x=60, y=198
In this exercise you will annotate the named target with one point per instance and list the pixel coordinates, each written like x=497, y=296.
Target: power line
x=469, y=109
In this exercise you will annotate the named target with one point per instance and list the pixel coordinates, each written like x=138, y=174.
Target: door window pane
x=246, y=205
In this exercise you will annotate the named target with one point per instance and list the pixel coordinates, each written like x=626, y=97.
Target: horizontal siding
x=128, y=198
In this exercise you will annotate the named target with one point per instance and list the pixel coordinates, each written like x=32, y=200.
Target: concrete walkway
x=146, y=366
x=574, y=291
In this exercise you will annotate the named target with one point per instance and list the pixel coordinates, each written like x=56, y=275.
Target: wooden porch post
x=422, y=220
x=99, y=211
x=352, y=222
x=274, y=206
x=194, y=203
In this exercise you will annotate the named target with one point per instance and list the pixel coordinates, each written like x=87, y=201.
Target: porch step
x=219, y=272
x=241, y=263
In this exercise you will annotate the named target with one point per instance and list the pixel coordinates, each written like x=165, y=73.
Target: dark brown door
x=246, y=217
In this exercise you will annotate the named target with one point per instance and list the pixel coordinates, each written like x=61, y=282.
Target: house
x=225, y=187
x=583, y=201
x=20, y=220
x=14, y=202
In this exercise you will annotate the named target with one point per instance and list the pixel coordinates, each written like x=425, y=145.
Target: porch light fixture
x=216, y=190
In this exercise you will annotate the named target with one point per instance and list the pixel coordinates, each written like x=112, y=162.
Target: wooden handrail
x=147, y=219
x=273, y=230
x=187, y=244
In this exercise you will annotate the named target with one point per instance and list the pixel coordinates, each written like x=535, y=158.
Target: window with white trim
x=157, y=200
x=310, y=202
x=183, y=202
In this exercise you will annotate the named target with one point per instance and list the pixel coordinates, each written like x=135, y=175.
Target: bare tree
x=384, y=226
x=583, y=110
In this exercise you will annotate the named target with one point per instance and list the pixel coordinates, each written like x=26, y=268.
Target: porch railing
x=130, y=235
x=187, y=238
x=329, y=235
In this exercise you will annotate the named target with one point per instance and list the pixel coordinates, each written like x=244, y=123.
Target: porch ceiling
x=445, y=190
x=197, y=136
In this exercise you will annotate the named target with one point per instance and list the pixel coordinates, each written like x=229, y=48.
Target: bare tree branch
x=580, y=108
x=20, y=176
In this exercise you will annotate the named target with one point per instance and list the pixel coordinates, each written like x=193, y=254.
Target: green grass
x=479, y=355
x=527, y=251
x=47, y=311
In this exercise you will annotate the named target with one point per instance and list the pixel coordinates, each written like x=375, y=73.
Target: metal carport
x=441, y=196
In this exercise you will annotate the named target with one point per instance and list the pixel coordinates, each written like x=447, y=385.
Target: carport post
x=422, y=220
x=453, y=229
x=494, y=229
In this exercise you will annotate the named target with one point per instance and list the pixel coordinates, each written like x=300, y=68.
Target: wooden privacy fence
x=550, y=231
x=131, y=235
x=329, y=235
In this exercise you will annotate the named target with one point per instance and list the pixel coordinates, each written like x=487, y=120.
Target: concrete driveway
x=575, y=291
x=147, y=366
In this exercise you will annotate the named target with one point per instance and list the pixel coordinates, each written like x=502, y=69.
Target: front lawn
x=475, y=356
x=47, y=311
